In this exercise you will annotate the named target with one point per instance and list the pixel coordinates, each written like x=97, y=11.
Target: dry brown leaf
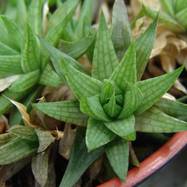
x=6, y=82
x=160, y=43
x=137, y=4
x=67, y=141
x=57, y=134
x=95, y=169
x=169, y=96
x=140, y=26
x=23, y=111
x=133, y=156
x=135, y=7
x=106, y=12
x=169, y=64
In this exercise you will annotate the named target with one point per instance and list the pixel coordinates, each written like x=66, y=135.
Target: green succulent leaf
x=16, y=149
x=118, y=155
x=30, y=55
x=144, y=45
x=133, y=99
x=153, y=89
x=22, y=14
x=180, y=5
x=93, y=108
x=10, y=65
x=6, y=50
x=84, y=24
x=126, y=70
x=35, y=15
x=40, y=167
x=112, y=108
x=45, y=139
x=24, y=132
x=107, y=90
x=168, y=6
x=97, y=134
x=56, y=32
x=61, y=12
x=13, y=33
x=155, y=121
x=182, y=16
x=77, y=48
x=121, y=31
x=25, y=82
x=173, y=108
x=50, y=78
x=5, y=138
x=124, y=128
x=58, y=58
x=5, y=103
x=76, y=79
x=67, y=111
x=104, y=58
x=165, y=18
x=76, y=167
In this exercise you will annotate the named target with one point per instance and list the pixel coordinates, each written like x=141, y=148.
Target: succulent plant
x=173, y=14
x=112, y=102
x=24, y=66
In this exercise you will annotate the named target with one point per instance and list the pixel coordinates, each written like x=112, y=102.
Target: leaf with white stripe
x=56, y=32
x=77, y=48
x=81, y=84
x=10, y=65
x=104, y=58
x=173, y=108
x=50, y=78
x=31, y=53
x=144, y=45
x=67, y=111
x=126, y=69
x=93, y=108
x=25, y=82
x=123, y=128
x=16, y=149
x=13, y=33
x=132, y=101
x=153, y=89
x=118, y=155
x=155, y=121
x=24, y=132
x=35, y=14
x=97, y=134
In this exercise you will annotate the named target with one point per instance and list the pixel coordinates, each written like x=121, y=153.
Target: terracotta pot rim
x=152, y=163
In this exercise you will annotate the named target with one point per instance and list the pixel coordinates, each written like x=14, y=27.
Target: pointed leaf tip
x=104, y=58
x=144, y=46
x=126, y=71
x=118, y=155
x=153, y=89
